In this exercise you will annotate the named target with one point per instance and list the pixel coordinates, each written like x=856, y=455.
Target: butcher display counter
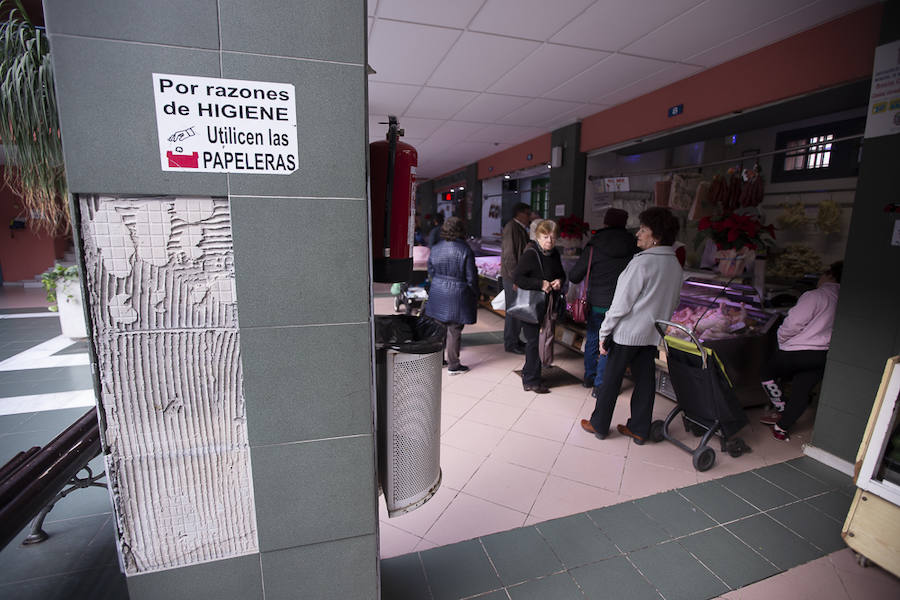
x=730, y=319
x=487, y=263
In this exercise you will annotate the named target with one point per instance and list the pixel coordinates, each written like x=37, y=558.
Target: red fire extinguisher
x=392, y=173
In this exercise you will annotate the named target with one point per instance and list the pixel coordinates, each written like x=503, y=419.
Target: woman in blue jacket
x=453, y=295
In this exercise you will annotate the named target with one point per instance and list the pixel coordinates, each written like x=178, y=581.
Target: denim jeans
x=594, y=363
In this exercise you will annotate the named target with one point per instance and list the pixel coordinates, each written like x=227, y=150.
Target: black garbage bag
x=409, y=334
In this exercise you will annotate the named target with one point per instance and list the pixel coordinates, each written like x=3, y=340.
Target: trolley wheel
x=704, y=458
x=656, y=430
x=862, y=560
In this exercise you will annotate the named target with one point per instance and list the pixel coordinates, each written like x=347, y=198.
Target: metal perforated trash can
x=408, y=354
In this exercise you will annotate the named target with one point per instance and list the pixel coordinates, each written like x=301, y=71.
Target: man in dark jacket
x=609, y=251
x=515, y=238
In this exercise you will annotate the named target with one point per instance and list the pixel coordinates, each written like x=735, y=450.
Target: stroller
x=705, y=396
x=409, y=298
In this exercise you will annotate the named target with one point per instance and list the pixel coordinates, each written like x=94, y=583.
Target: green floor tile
x=790, y=479
x=728, y=557
x=558, y=587
x=613, y=579
x=628, y=527
x=13, y=423
x=817, y=470
x=774, y=542
x=576, y=540
x=520, y=554
x=459, y=570
x=676, y=574
x=756, y=490
x=403, y=577
x=835, y=504
x=719, y=503
x=677, y=516
x=812, y=525
x=97, y=584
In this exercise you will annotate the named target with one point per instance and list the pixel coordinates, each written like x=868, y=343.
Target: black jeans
x=531, y=372
x=643, y=370
x=511, y=326
x=805, y=368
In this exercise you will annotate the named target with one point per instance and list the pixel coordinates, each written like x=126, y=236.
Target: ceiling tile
x=532, y=19
x=390, y=98
x=457, y=13
x=454, y=132
x=610, y=74
x=613, y=24
x=418, y=128
x=404, y=53
x=658, y=80
x=505, y=133
x=477, y=60
x=708, y=25
x=546, y=68
x=780, y=29
x=538, y=111
x=568, y=117
x=490, y=108
x=434, y=103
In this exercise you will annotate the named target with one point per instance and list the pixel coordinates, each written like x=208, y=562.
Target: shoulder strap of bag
x=587, y=280
x=540, y=263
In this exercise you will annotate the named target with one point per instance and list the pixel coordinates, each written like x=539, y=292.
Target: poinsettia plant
x=736, y=231
x=573, y=227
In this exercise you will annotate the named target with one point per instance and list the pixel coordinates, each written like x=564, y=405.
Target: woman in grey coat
x=453, y=295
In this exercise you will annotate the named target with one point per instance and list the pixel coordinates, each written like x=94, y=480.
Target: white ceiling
x=468, y=78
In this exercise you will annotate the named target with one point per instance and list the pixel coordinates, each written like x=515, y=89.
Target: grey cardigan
x=648, y=289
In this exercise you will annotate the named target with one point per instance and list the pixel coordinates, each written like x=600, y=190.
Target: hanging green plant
x=51, y=278
x=29, y=122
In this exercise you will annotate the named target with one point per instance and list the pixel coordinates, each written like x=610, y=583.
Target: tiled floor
x=530, y=507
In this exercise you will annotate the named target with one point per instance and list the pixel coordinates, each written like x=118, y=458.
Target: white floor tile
x=506, y=484
x=643, y=479
x=420, y=520
x=563, y=497
x=558, y=404
x=469, y=517
x=458, y=466
x=456, y=404
x=590, y=467
x=394, y=542
x=494, y=414
x=477, y=438
x=528, y=451
x=545, y=425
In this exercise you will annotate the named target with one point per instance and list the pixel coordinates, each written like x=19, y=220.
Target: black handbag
x=529, y=306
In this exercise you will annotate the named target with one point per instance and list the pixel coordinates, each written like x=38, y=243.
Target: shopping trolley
x=704, y=394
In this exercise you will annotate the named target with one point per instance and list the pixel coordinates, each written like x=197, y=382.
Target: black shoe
x=516, y=350
x=444, y=363
x=596, y=392
x=537, y=388
x=457, y=370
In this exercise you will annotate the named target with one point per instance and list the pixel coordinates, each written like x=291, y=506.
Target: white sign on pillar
x=211, y=125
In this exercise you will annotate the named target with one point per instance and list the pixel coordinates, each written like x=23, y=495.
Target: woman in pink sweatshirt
x=803, y=341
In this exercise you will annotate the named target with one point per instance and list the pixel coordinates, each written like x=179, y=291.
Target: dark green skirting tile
x=757, y=491
x=558, y=587
x=576, y=540
x=835, y=504
x=459, y=570
x=403, y=577
x=238, y=578
x=813, y=526
x=792, y=480
x=613, y=579
x=820, y=471
x=107, y=583
x=728, y=557
x=628, y=527
x=676, y=574
x=677, y=516
x=774, y=542
x=520, y=554
x=719, y=503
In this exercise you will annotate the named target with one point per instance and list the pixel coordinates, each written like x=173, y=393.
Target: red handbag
x=580, y=306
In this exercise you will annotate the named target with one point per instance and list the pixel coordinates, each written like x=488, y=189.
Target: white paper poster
x=211, y=125
x=884, y=98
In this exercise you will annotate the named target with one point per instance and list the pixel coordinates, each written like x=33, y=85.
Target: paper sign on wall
x=884, y=97
x=212, y=125
x=617, y=184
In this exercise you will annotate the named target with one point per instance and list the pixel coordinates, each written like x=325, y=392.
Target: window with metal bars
x=812, y=152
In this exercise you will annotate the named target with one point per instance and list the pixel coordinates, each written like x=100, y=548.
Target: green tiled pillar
x=300, y=252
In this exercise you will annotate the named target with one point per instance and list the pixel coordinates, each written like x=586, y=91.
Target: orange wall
x=515, y=158
x=23, y=253
x=837, y=52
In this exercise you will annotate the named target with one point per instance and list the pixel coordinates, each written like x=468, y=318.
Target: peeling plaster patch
x=160, y=275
